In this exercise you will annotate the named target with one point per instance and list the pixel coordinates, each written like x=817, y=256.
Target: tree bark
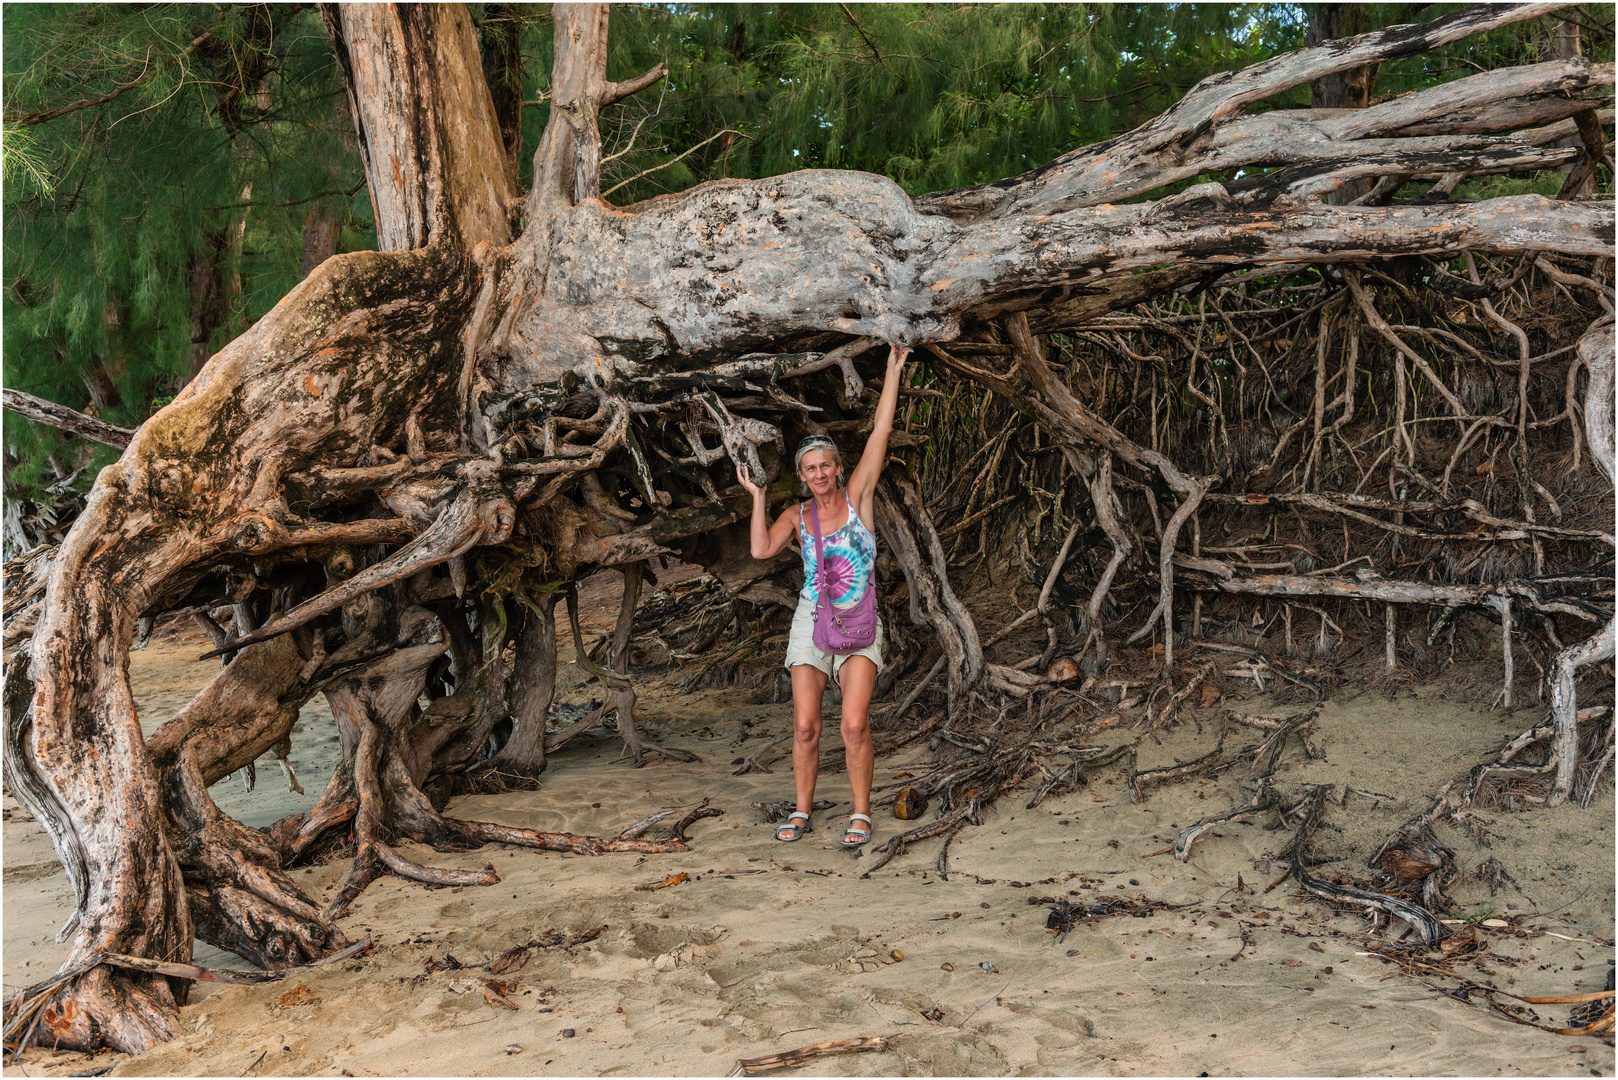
x=427, y=126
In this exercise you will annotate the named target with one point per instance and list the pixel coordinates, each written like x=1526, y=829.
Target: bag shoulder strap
x=821, y=599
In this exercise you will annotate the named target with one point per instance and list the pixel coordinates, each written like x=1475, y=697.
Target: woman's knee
x=856, y=727
x=806, y=729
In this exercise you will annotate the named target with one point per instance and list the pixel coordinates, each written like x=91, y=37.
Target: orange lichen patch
x=60, y=1021
x=309, y=385
x=398, y=174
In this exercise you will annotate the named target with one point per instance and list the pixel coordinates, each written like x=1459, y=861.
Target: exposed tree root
x=1421, y=920
x=620, y=701
x=1564, y=712
x=1263, y=799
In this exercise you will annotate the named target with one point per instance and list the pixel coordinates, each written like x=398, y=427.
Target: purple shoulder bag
x=839, y=631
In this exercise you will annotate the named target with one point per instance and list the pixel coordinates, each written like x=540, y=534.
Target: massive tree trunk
x=472, y=390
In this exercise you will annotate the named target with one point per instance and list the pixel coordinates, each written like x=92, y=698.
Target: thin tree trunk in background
x=320, y=232
x=1349, y=89
x=215, y=283
x=214, y=279
x=1566, y=46
x=104, y=393
x=502, y=67
x=206, y=285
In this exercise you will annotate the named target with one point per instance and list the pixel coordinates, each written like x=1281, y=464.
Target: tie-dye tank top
x=850, y=560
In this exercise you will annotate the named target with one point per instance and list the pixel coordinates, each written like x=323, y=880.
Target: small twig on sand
x=703, y=810
x=1241, y=928
x=788, y=1058
x=996, y=995
x=638, y=829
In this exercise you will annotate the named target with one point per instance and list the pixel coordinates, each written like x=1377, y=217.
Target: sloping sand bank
x=770, y=946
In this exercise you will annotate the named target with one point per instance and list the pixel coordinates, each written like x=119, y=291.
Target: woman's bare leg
x=808, y=688
x=858, y=679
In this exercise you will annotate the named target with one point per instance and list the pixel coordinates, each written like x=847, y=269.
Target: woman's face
x=818, y=469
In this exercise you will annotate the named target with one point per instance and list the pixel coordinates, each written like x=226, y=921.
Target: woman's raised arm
x=862, y=484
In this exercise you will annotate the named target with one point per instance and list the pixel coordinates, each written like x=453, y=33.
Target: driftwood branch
x=65, y=419
x=789, y=1058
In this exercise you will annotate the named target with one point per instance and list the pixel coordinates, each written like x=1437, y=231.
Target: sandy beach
x=769, y=946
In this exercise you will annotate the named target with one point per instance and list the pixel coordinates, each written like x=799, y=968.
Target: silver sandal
x=864, y=838
x=792, y=826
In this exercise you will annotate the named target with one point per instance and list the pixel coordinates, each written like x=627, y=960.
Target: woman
x=846, y=517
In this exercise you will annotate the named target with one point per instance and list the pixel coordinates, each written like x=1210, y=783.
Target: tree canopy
x=172, y=170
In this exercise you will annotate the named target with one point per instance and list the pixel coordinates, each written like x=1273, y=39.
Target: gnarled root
x=1421, y=920
x=533, y=687
x=1263, y=799
x=391, y=805
x=908, y=530
x=1565, y=743
x=475, y=516
x=620, y=702
x=241, y=901
x=295, y=836
x=1561, y=727
x=238, y=897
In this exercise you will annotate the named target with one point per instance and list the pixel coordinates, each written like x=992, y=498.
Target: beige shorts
x=801, y=645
